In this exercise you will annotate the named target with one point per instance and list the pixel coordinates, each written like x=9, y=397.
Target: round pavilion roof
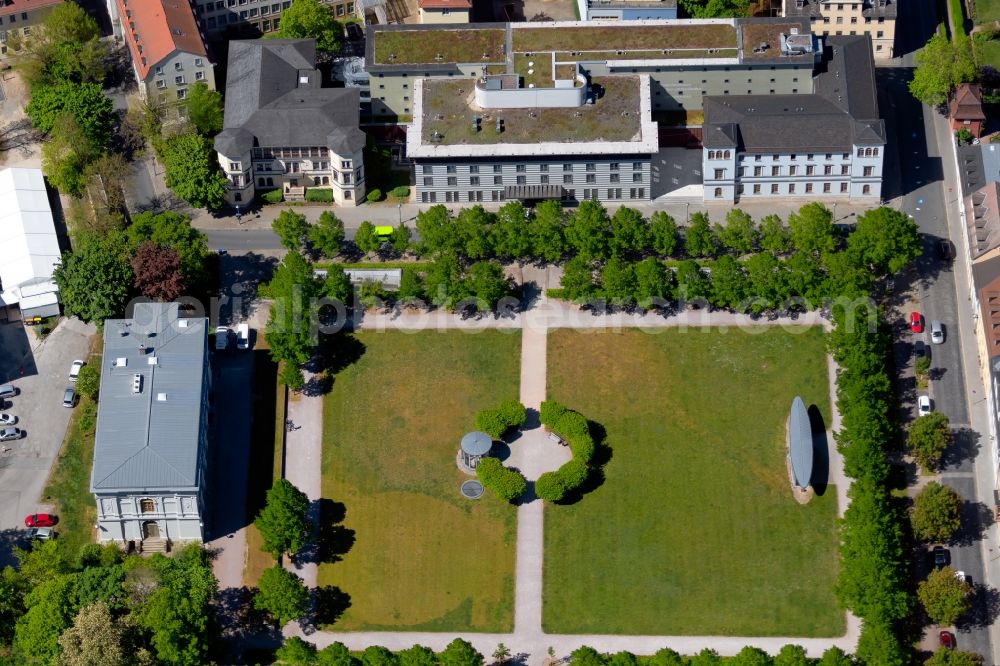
x=477, y=443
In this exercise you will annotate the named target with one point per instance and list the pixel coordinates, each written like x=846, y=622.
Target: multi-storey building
x=255, y=17
x=875, y=18
x=626, y=10
x=168, y=49
x=685, y=60
x=150, y=446
x=18, y=18
x=576, y=140
x=283, y=130
x=825, y=145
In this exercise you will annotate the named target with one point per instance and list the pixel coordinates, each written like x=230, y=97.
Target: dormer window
x=178, y=66
x=198, y=62
x=159, y=70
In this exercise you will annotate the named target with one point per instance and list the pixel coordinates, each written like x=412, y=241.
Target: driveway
x=25, y=468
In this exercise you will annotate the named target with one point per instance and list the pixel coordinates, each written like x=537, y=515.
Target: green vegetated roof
x=755, y=34
x=629, y=38
x=447, y=45
x=614, y=117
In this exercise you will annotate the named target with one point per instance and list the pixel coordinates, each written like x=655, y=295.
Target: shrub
x=495, y=422
x=401, y=192
x=319, y=195
x=550, y=411
x=508, y=484
x=274, y=196
x=374, y=195
x=574, y=473
x=964, y=136
x=549, y=486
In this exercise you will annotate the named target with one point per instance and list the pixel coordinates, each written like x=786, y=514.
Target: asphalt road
x=914, y=180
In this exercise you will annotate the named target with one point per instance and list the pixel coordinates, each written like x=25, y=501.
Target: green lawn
x=987, y=11
x=424, y=558
x=68, y=486
x=987, y=52
x=694, y=530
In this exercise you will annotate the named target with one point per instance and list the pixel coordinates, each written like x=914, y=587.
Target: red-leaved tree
x=157, y=272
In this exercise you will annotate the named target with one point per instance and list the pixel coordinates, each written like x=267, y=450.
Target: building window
x=234, y=166
x=178, y=66
x=867, y=189
x=809, y=188
x=199, y=76
x=198, y=62
x=521, y=180
x=544, y=168
x=591, y=178
x=498, y=180
x=776, y=171
x=615, y=178
x=718, y=193
x=792, y=169
x=520, y=168
x=591, y=166
x=869, y=171
x=636, y=166
x=147, y=506
x=474, y=168
x=826, y=188
x=615, y=166
x=843, y=188
x=160, y=83
x=567, y=167
x=428, y=168
x=828, y=170
x=791, y=188
x=452, y=181
x=179, y=80
x=756, y=189
x=568, y=179
x=474, y=180
x=637, y=178
x=758, y=171
x=497, y=168
x=720, y=174
x=159, y=70
x=544, y=180
x=810, y=170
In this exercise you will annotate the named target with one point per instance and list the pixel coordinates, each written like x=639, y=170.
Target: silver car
x=41, y=533
x=8, y=434
x=7, y=419
x=937, y=332
x=69, y=397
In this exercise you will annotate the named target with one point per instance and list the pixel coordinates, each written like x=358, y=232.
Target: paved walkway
x=533, y=453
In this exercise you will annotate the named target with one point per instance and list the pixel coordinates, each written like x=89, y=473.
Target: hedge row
x=297, y=652
x=873, y=557
x=572, y=427
x=508, y=484
x=496, y=421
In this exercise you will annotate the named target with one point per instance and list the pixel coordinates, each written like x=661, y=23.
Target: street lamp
x=399, y=209
x=834, y=212
x=687, y=215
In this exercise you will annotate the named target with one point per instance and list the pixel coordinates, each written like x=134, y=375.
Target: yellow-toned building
x=837, y=17
x=444, y=11
x=18, y=18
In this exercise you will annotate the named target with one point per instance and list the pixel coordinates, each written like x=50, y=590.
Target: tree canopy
x=94, y=280
x=283, y=523
x=937, y=513
x=311, y=19
x=944, y=596
x=282, y=594
x=942, y=64
x=192, y=172
x=84, y=101
x=927, y=438
x=204, y=109
x=291, y=229
x=887, y=239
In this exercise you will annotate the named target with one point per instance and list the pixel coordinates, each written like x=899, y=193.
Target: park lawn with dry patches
x=694, y=530
x=424, y=558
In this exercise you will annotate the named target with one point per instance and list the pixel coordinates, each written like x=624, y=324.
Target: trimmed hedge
x=374, y=195
x=401, y=192
x=496, y=421
x=319, y=196
x=508, y=484
x=274, y=196
x=573, y=427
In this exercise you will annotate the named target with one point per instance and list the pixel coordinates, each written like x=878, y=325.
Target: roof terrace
x=448, y=112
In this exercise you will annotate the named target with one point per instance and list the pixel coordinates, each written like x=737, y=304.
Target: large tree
x=941, y=65
x=66, y=47
x=192, y=172
x=927, y=438
x=511, y=238
x=937, y=513
x=663, y=233
x=204, y=109
x=173, y=230
x=715, y=8
x=311, y=19
x=67, y=154
x=944, y=596
x=774, y=236
x=283, y=523
x=740, y=234
x=291, y=229
x=629, y=231
x=547, y=231
x=282, y=594
x=460, y=653
x=699, y=239
x=327, y=235
x=589, y=230
x=289, y=331
x=94, y=280
x=618, y=283
x=812, y=229
x=97, y=637
x=886, y=239
x=51, y=606
x=157, y=272
x=948, y=657
x=84, y=101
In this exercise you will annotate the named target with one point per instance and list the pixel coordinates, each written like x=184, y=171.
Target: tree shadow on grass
x=329, y=604
x=333, y=540
x=820, y=478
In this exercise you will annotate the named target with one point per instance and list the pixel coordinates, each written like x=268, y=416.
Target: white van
x=7, y=391
x=243, y=336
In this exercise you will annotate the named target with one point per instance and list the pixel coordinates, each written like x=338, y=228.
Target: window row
x=13, y=18
x=793, y=170
x=792, y=188
x=289, y=153
x=792, y=157
x=475, y=181
x=428, y=169
x=456, y=196
x=718, y=154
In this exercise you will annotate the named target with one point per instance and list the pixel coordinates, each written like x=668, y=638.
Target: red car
x=947, y=640
x=916, y=322
x=40, y=520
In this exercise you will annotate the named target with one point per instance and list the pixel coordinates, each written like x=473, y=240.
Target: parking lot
x=25, y=463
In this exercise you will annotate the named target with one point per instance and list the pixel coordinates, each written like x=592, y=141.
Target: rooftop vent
x=439, y=57
x=121, y=362
x=183, y=323
x=499, y=125
x=137, y=383
x=152, y=360
x=161, y=397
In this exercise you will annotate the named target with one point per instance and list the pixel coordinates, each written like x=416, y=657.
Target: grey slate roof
x=143, y=441
x=842, y=112
x=273, y=97
x=812, y=8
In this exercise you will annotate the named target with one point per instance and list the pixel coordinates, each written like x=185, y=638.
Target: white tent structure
x=29, y=248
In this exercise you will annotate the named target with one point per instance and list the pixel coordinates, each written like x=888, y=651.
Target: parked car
x=221, y=338
x=40, y=520
x=940, y=557
x=919, y=349
x=243, y=336
x=8, y=434
x=74, y=370
x=41, y=533
x=947, y=640
x=961, y=576
x=7, y=419
x=937, y=332
x=69, y=397
x=7, y=391
x=916, y=322
x=923, y=405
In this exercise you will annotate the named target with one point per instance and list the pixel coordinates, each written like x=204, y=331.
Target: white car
x=9, y=434
x=8, y=419
x=41, y=533
x=74, y=370
x=961, y=576
x=243, y=336
x=923, y=405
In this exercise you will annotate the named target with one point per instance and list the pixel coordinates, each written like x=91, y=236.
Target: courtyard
x=423, y=557
x=694, y=530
